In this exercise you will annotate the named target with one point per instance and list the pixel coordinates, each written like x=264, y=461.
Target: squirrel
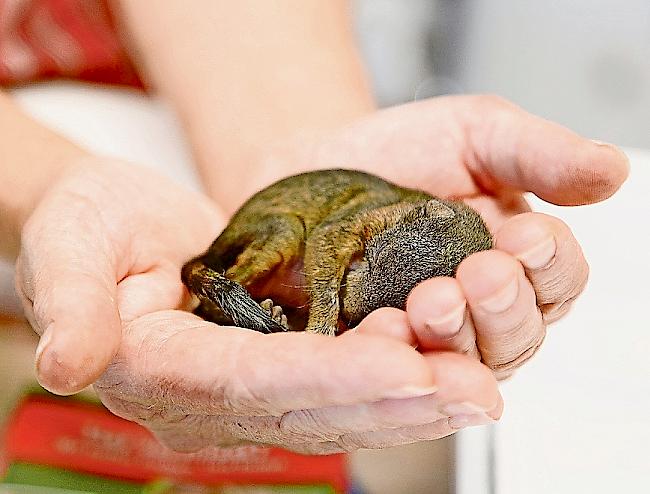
x=333, y=245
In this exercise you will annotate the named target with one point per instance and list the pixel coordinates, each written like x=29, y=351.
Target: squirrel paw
x=275, y=313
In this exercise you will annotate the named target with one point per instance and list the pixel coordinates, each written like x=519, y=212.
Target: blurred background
x=583, y=63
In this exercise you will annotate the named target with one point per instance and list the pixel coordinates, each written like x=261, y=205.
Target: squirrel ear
x=436, y=209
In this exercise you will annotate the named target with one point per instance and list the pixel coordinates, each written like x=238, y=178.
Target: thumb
x=513, y=148
x=66, y=279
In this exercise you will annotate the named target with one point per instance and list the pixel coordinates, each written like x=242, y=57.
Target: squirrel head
x=415, y=241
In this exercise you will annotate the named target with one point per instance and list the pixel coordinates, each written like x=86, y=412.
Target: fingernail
x=503, y=298
x=468, y=420
x=463, y=408
x=448, y=325
x=411, y=392
x=540, y=256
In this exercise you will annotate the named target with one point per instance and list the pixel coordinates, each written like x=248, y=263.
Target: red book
x=86, y=438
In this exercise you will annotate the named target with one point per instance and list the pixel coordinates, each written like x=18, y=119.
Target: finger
x=515, y=149
x=509, y=326
x=190, y=433
x=437, y=312
x=157, y=289
x=468, y=395
x=426, y=432
x=551, y=256
x=465, y=388
x=172, y=355
x=388, y=322
x=67, y=279
x=397, y=437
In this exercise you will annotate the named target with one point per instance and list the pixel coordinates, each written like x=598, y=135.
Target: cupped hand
x=195, y=385
x=103, y=247
x=487, y=152
x=98, y=273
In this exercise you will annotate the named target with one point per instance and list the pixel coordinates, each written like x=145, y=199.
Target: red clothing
x=46, y=39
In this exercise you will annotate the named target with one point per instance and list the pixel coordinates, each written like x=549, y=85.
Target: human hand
x=487, y=152
x=103, y=247
x=99, y=263
x=195, y=385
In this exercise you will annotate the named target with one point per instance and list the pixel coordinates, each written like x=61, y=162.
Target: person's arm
x=31, y=158
x=245, y=75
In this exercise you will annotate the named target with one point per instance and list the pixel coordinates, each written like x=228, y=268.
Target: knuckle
x=563, y=281
x=553, y=311
x=505, y=363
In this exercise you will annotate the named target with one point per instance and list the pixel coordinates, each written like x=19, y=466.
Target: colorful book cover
x=73, y=444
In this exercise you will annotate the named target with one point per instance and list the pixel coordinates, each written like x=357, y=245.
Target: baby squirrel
x=350, y=241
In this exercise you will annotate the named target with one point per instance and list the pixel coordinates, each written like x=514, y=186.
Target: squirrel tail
x=229, y=296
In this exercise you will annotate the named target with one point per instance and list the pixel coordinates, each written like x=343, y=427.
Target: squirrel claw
x=275, y=312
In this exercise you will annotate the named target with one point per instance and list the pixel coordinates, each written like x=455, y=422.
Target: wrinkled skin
x=99, y=264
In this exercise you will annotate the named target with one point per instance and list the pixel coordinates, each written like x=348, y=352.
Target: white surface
x=474, y=461
x=577, y=417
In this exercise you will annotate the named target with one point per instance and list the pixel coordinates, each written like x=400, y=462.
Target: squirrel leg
x=327, y=256
x=248, y=254
x=279, y=239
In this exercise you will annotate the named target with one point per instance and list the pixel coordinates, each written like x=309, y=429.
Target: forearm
x=246, y=75
x=31, y=158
